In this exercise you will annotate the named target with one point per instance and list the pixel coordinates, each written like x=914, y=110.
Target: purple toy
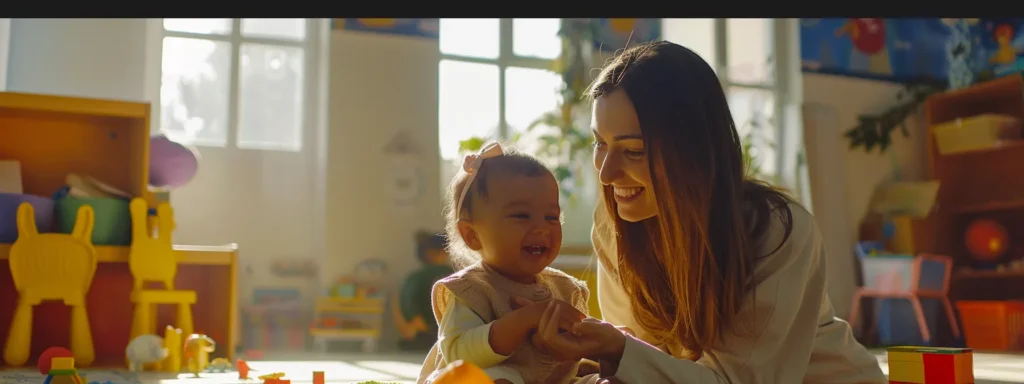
x=9, y=202
x=171, y=165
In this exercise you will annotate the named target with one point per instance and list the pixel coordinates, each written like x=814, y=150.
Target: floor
x=403, y=368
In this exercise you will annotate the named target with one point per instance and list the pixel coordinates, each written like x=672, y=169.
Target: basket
x=993, y=325
x=976, y=133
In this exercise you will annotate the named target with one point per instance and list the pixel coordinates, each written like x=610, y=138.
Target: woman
x=721, y=278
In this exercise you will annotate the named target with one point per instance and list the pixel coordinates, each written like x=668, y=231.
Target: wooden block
x=939, y=368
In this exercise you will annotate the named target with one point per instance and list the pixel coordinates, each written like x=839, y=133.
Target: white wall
x=843, y=180
x=379, y=86
x=103, y=58
x=5, y=46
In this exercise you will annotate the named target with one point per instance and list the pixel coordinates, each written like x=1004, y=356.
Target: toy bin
x=9, y=203
x=976, y=133
x=993, y=325
x=113, y=221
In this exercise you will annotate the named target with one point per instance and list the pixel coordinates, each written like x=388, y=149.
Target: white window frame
x=506, y=59
x=786, y=126
x=311, y=80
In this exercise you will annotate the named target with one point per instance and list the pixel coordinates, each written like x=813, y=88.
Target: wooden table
x=211, y=271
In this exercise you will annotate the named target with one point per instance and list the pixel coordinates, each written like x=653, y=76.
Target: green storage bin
x=113, y=224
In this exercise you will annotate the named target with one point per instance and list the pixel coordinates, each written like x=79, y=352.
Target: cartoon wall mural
x=900, y=50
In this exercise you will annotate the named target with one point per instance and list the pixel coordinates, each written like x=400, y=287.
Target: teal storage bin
x=113, y=224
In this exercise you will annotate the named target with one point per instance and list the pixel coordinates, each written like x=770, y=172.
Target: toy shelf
x=52, y=136
x=977, y=184
x=187, y=254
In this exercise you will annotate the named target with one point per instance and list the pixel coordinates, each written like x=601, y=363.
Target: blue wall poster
x=615, y=34
x=899, y=50
x=429, y=28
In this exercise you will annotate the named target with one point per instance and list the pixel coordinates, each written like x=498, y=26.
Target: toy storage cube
x=897, y=324
x=993, y=325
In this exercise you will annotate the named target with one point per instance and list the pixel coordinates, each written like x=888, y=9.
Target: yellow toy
x=926, y=365
x=62, y=371
x=460, y=372
x=172, y=339
x=221, y=365
x=51, y=266
x=197, y=352
x=271, y=376
x=153, y=259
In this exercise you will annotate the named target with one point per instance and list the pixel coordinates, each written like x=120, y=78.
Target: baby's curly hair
x=512, y=163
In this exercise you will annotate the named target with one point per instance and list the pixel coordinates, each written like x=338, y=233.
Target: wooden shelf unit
x=986, y=183
x=52, y=136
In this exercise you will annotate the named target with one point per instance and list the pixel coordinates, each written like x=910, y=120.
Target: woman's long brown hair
x=689, y=269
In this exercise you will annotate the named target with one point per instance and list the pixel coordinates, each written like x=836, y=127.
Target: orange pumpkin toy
x=459, y=372
x=986, y=240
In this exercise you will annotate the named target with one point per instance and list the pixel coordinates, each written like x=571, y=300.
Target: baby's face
x=519, y=225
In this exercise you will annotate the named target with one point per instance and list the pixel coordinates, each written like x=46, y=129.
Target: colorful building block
x=318, y=377
x=927, y=365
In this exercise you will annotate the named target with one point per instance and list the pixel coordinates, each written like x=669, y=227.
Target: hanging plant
x=874, y=131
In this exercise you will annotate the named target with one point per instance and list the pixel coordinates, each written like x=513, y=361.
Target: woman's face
x=620, y=157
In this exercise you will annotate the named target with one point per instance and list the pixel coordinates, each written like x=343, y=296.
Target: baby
x=503, y=206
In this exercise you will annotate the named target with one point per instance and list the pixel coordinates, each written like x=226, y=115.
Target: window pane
x=753, y=111
x=470, y=37
x=750, y=50
x=290, y=29
x=696, y=34
x=270, y=97
x=467, y=102
x=204, y=26
x=194, y=84
x=536, y=38
x=529, y=93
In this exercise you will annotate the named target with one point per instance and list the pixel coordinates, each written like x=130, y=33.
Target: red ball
x=986, y=240
x=46, y=358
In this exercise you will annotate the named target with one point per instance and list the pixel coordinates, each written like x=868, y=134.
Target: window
x=752, y=66
x=495, y=78
x=235, y=82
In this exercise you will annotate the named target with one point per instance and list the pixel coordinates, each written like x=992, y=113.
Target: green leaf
x=553, y=119
x=472, y=144
x=562, y=173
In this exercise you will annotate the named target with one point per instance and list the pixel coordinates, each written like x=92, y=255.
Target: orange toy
x=460, y=372
x=46, y=358
x=243, y=369
x=925, y=365
x=51, y=267
x=986, y=240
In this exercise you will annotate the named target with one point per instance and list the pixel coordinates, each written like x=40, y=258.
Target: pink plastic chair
x=890, y=284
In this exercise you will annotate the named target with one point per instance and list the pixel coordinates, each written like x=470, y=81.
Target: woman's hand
x=590, y=338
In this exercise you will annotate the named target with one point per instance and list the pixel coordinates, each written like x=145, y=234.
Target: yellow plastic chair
x=153, y=259
x=51, y=266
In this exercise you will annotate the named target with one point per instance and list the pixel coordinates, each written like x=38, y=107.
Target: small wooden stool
x=144, y=321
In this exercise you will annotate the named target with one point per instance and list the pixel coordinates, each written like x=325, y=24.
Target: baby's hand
x=532, y=312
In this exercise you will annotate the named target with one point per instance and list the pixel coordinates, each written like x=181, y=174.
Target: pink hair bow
x=470, y=164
